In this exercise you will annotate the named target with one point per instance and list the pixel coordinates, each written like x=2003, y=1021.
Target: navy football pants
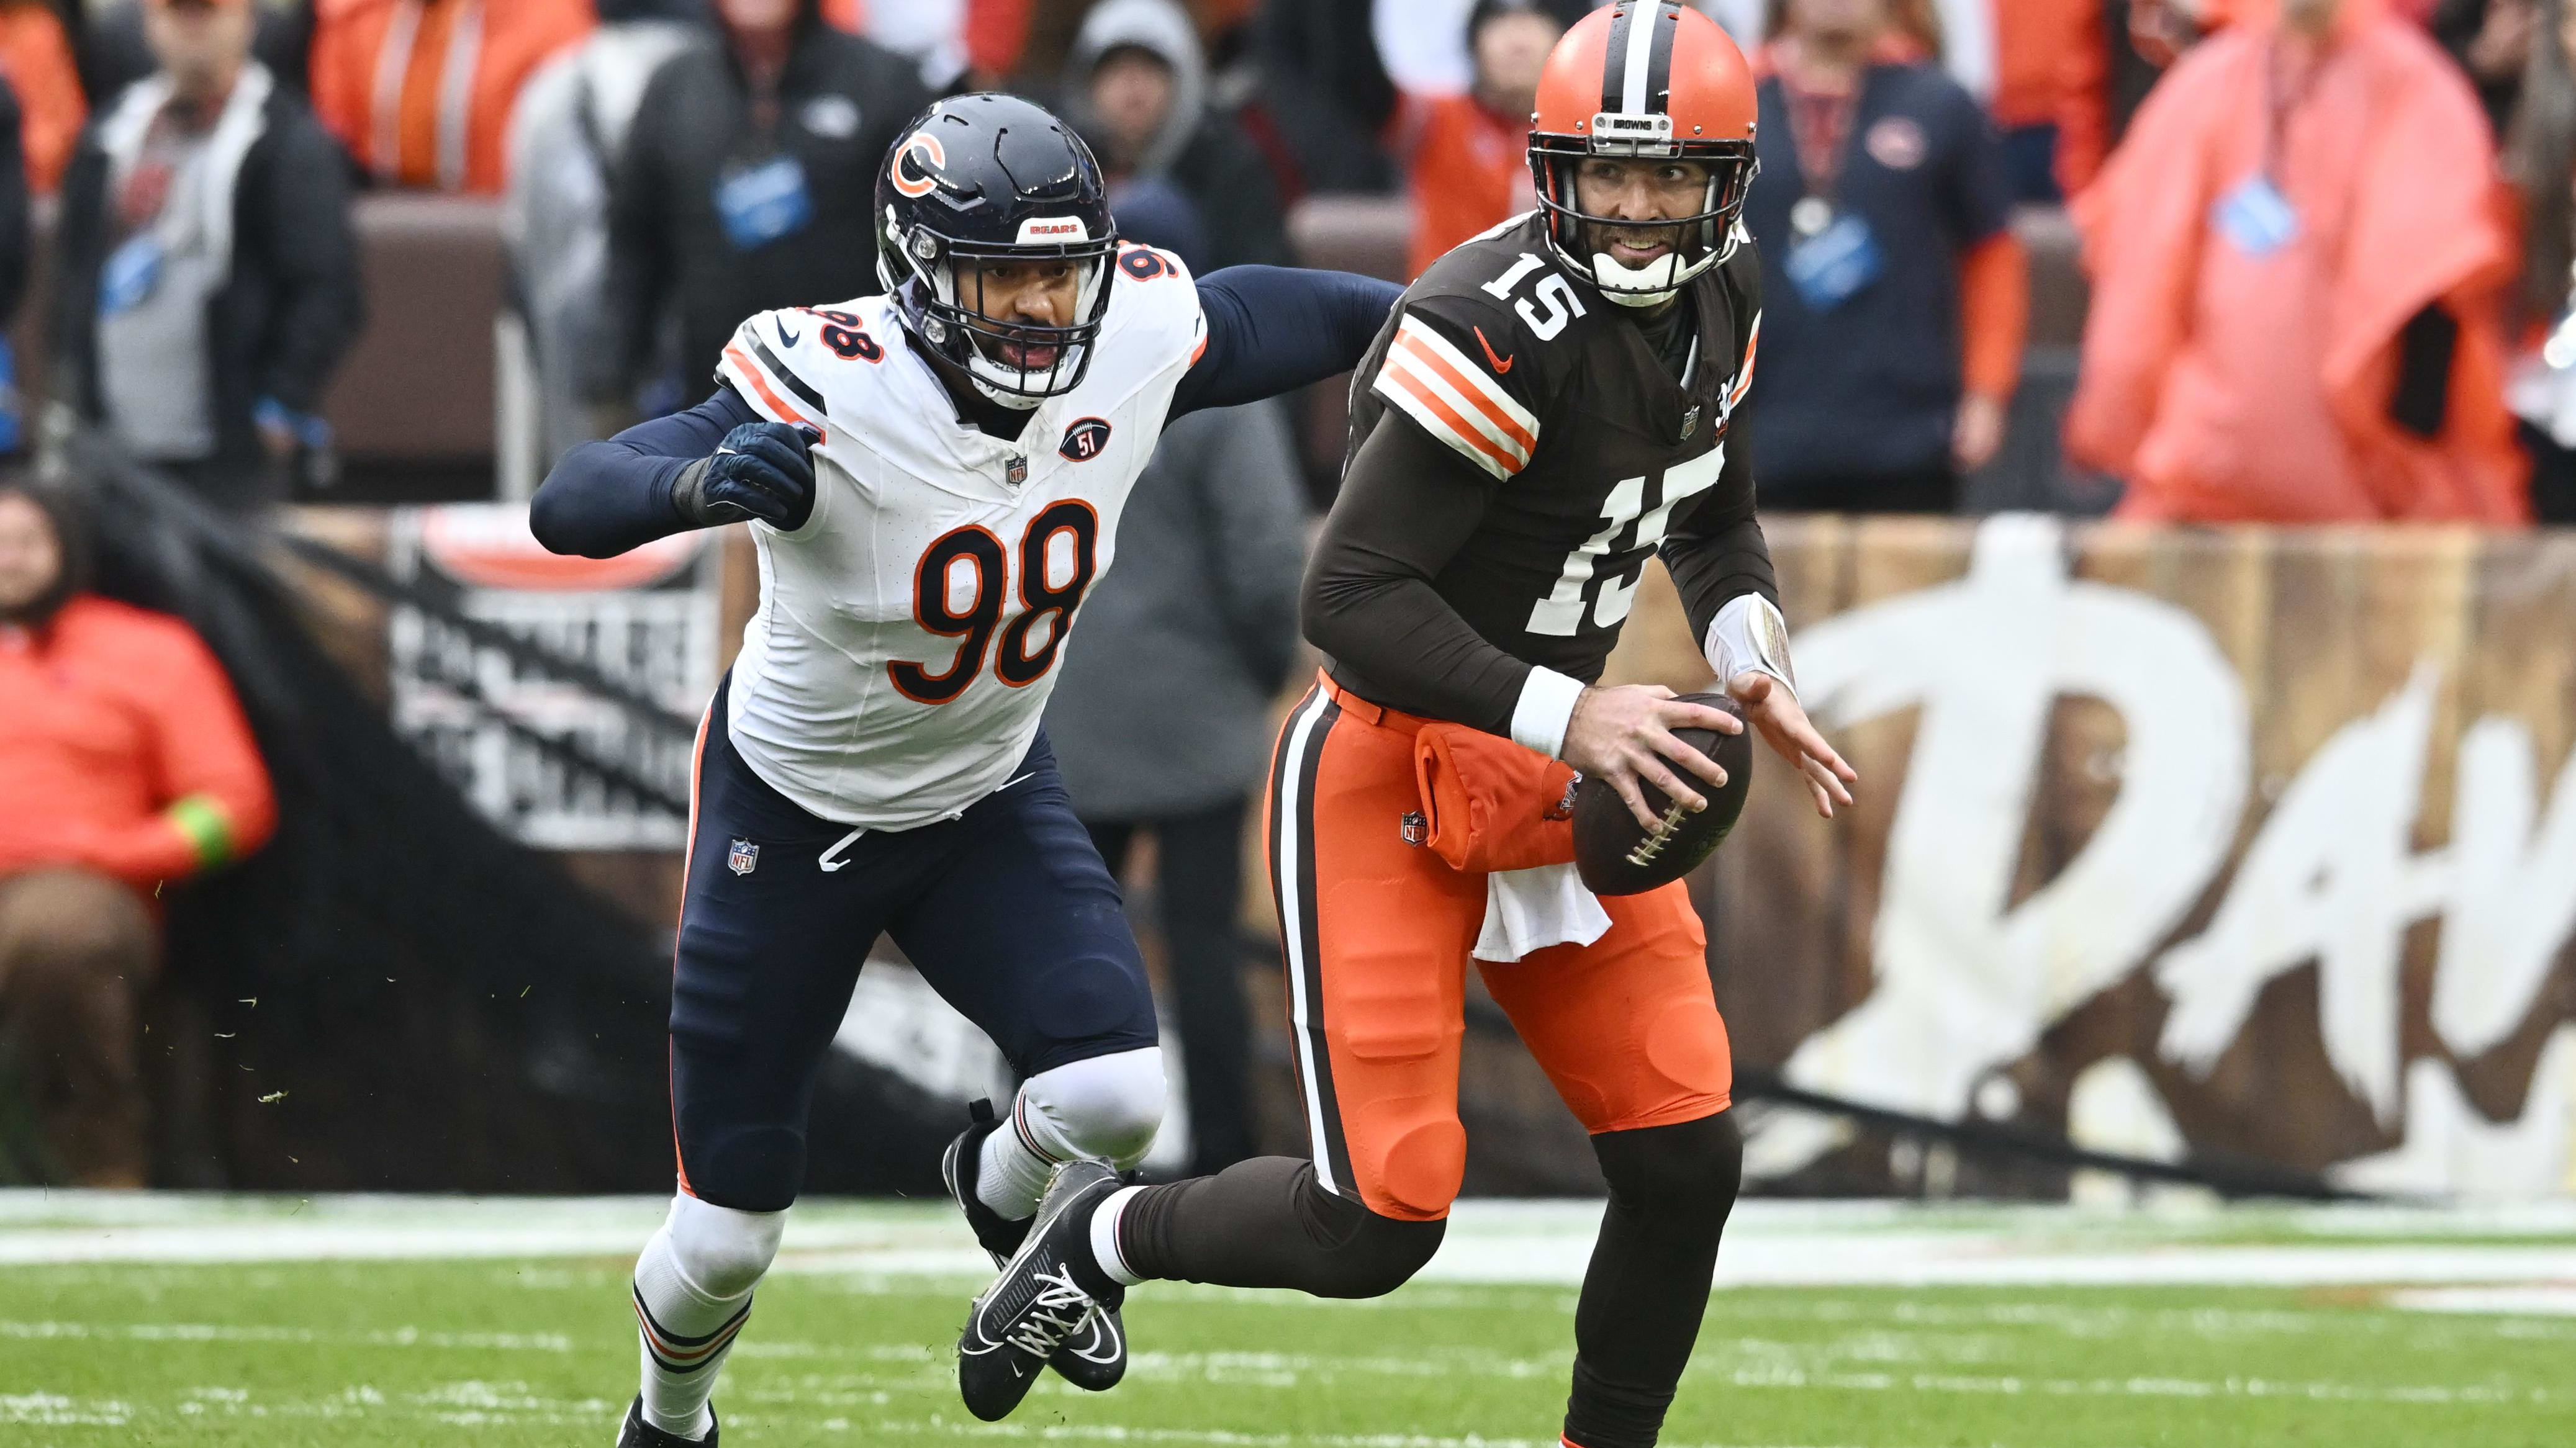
x=1006, y=911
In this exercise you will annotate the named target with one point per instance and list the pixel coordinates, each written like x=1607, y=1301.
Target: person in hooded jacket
x=746, y=181
x=1137, y=88
x=205, y=264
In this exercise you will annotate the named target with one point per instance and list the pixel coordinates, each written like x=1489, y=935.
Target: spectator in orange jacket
x=2052, y=80
x=36, y=59
x=125, y=762
x=1469, y=154
x=2295, y=302
x=420, y=91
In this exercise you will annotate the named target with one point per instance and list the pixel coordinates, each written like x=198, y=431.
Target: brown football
x=1617, y=856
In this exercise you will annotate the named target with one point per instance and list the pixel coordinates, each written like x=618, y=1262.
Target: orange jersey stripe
x=1460, y=429
x=1744, y=375
x=751, y=372
x=1473, y=389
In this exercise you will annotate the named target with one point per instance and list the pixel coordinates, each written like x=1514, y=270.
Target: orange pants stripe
x=1378, y=936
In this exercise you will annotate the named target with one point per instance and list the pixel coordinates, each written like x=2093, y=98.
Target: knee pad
x=1365, y=1255
x=1107, y=1107
x=1690, y=1166
x=721, y=1251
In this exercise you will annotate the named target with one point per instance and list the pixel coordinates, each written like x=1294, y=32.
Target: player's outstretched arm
x=719, y=462
x=1274, y=329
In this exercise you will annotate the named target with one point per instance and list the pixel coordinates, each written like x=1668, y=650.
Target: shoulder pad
x=1478, y=392
x=782, y=362
x=1155, y=298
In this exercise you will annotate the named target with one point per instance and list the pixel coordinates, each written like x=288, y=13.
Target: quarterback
x=933, y=478
x=1550, y=405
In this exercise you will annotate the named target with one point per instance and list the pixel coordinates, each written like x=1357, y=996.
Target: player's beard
x=1599, y=236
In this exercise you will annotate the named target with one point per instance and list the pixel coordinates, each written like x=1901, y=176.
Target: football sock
x=1010, y=1177
x=693, y=1287
x=1267, y=1222
x=1647, y=1287
x=1106, y=1107
x=1104, y=1237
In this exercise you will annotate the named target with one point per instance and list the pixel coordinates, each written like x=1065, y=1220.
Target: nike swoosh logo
x=787, y=337
x=1032, y=774
x=1501, y=364
x=830, y=859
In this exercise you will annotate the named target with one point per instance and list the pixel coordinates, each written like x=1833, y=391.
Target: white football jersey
x=908, y=634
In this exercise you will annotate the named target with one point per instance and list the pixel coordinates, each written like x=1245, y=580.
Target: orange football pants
x=1378, y=936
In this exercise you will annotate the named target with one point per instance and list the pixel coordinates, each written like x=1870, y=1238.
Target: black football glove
x=761, y=470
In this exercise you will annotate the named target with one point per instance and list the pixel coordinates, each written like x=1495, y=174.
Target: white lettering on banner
x=2328, y=879
x=1965, y=985
x=2451, y=1149
x=2513, y=891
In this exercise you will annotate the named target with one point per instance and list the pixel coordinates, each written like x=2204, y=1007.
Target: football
x=1617, y=856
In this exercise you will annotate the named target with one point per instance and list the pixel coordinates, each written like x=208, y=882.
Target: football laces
x=1653, y=844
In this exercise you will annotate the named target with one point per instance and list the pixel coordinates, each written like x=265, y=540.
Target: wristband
x=1546, y=707
x=1748, y=636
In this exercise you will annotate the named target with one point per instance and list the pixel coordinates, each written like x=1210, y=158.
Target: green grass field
x=511, y=1353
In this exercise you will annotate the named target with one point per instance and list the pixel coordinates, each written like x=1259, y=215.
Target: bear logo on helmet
x=916, y=164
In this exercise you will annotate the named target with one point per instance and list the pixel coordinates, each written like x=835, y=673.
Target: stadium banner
x=649, y=620
x=2247, y=843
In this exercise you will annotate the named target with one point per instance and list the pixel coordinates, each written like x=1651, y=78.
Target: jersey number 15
x=975, y=547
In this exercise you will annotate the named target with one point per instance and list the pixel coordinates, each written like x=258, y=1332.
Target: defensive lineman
x=1553, y=403
x=933, y=478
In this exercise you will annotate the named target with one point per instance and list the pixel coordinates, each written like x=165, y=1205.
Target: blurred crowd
x=2328, y=241
x=2330, y=248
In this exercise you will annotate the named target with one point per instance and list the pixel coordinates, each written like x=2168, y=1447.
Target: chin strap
x=1650, y=285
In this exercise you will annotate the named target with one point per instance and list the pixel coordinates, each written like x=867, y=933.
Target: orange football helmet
x=1644, y=79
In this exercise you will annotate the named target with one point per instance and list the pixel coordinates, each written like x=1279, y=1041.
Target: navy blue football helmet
x=982, y=180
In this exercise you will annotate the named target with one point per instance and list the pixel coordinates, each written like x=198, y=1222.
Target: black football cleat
x=639, y=1434
x=1095, y=1357
x=1035, y=1307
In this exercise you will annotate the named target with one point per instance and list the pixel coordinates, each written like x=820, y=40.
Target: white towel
x=1527, y=910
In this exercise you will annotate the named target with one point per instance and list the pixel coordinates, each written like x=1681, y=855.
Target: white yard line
x=2499, y=1301
x=1530, y=1243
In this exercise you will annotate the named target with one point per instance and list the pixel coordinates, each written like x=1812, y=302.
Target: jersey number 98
x=1041, y=600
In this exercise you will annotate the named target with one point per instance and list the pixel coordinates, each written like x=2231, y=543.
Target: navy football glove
x=761, y=470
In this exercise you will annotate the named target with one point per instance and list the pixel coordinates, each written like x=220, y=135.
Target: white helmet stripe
x=1642, y=24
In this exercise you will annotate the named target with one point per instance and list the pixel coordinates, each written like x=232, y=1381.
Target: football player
x=933, y=478
x=1552, y=404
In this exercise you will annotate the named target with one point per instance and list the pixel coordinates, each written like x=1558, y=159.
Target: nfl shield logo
x=1016, y=471
x=745, y=857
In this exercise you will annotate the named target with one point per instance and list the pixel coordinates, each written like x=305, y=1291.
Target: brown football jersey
x=1597, y=451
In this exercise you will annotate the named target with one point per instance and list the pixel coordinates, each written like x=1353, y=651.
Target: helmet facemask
x=923, y=269
x=1703, y=239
